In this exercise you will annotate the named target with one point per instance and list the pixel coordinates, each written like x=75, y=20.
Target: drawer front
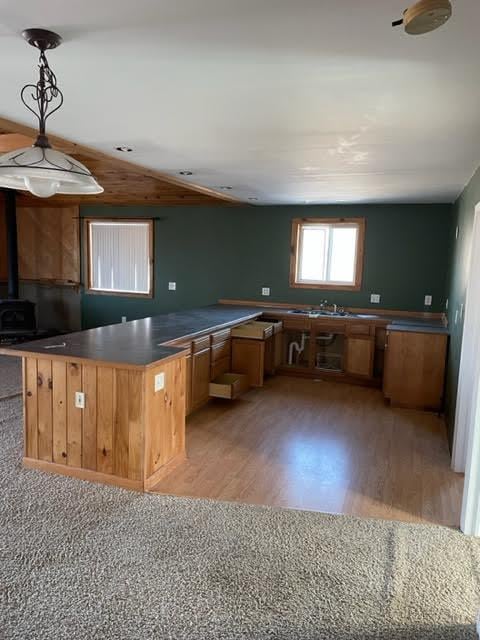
x=359, y=329
x=222, y=350
x=253, y=330
x=300, y=324
x=220, y=336
x=328, y=327
x=219, y=367
x=229, y=386
x=200, y=344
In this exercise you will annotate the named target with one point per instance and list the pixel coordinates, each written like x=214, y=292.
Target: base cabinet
x=200, y=378
x=414, y=374
x=359, y=356
x=127, y=432
x=248, y=357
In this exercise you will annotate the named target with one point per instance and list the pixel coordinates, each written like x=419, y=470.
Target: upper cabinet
x=48, y=244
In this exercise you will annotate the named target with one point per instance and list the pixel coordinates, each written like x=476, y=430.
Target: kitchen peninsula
x=109, y=404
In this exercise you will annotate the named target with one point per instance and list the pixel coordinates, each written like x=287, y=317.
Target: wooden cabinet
x=248, y=356
x=359, y=355
x=414, y=372
x=200, y=378
x=188, y=388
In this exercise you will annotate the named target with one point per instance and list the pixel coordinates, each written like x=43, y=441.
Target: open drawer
x=229, y=386
x=254, y=330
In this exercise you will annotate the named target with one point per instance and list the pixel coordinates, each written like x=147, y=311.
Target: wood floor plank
x=320, y=446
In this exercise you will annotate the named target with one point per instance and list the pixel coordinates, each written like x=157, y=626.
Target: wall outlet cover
x=159, y=382
x=375, y=298
x=124, y=319
x=79, y=400
x=265, y=291
x=428, y=301
x=172, y=286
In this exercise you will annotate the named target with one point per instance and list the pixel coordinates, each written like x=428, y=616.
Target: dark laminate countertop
x=140, y=342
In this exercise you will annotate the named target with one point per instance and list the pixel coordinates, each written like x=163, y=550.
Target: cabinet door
x=248, y=356
x=360, y=351
x=415, y=369
x=200, y=378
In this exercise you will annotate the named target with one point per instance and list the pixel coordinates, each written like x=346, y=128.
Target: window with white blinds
x=119, y=254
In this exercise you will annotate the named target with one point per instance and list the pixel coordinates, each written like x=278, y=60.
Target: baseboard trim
x=83, y=474
x=164, y=471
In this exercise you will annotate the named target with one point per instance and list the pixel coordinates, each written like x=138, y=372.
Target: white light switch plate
x=124, y=319
x=265, y=291
x=79, y=400
x=428, y=301
x=172, y=286
x=159, y=381
x=375, y=298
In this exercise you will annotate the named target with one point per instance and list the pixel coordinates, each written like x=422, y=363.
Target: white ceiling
x=314, y=101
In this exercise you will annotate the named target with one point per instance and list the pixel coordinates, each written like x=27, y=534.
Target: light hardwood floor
x=320, y=446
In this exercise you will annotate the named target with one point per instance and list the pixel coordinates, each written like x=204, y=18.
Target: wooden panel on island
x=125, y=434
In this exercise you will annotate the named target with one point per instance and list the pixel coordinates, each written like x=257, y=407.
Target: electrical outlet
x=124, y=319
x=428, y=301
x=79, y=400
x=375, y=298
x=172, y=286
x=265, y=291
x=159, y=383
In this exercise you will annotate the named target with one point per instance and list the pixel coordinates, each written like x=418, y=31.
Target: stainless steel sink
x=320, y=313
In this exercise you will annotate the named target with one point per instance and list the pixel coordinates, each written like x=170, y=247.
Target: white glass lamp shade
x=45, y=172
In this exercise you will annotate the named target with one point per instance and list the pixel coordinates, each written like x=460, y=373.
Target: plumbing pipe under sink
x=299, y=348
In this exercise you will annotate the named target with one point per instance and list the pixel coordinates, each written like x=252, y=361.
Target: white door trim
x=471, y=336
x=466, y=445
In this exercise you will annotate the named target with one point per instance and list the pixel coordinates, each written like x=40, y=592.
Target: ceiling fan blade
x=397, y=23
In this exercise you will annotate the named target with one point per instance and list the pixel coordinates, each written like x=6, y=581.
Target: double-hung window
x=327, y=253
x=120, y=257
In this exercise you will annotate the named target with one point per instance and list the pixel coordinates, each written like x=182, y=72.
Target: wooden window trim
x=121, y=294
x=296, y=226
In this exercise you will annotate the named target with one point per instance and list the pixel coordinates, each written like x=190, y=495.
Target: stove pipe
x=12, y=246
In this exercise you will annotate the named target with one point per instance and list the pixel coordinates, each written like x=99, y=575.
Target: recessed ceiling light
x=124, y=149
x=226, y=188
x=186, y=173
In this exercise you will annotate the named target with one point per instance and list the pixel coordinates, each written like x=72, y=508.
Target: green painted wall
x=463, y=216
x=231, y=252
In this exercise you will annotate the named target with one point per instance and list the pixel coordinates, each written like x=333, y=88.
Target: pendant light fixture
x=39, y=168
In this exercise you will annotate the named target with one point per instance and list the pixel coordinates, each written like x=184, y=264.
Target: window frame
x=87, y=253
x=297, y=224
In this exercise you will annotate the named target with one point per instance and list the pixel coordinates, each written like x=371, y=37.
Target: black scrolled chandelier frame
x=43, y=99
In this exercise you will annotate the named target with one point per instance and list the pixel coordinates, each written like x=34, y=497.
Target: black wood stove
x=17, y=317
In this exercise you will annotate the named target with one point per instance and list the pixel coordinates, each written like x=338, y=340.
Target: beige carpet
x=83, y=561
x=10, y=376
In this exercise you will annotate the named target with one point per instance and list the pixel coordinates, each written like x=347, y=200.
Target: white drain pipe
x=299, y=348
